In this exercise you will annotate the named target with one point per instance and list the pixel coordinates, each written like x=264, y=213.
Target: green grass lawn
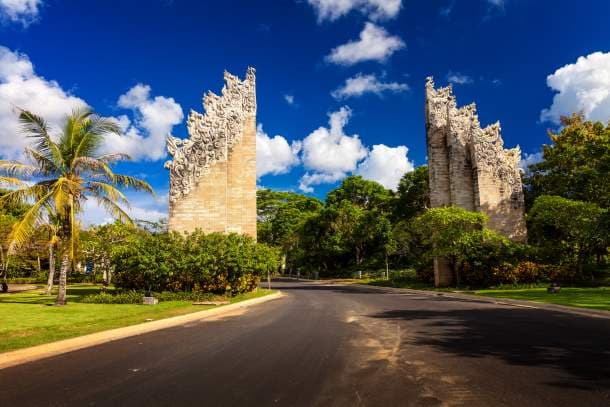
x=585, y=297
x=592, y=298
x=29, y=318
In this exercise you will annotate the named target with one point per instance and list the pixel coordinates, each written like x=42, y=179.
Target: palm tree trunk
x=4, y=265
x=51, y=269
x=63, y=276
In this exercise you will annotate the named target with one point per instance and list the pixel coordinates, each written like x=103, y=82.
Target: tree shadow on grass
x=577, y=347
x=37, y=298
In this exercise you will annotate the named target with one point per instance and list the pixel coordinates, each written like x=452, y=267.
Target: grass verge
x=592, y=298
x=29, y=318
x=596, y=298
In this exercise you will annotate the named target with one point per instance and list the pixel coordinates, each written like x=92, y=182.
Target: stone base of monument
x=150, y=301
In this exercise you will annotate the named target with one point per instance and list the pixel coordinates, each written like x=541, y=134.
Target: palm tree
x=67, y=171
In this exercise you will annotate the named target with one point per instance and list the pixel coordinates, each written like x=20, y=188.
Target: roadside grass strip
x=591, y=298
x=29, y=318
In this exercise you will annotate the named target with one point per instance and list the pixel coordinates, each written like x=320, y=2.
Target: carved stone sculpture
x=470, y=168
x=213, y=172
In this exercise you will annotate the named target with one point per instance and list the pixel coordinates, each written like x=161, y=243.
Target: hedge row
x=212, y=263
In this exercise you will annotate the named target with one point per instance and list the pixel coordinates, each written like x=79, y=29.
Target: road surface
x=330, y=345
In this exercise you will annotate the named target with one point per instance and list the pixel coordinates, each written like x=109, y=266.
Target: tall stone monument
x=213, y=172
x=470, y=168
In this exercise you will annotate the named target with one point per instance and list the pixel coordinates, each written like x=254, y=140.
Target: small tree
x=443, y=229
x=567, y=231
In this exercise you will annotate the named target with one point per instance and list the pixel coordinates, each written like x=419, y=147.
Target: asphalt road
x=326, y=345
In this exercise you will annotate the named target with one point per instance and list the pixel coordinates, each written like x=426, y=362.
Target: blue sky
x=361, y=63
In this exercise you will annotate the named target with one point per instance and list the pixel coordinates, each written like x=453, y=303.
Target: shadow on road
x=287, y=285
x=578, y=347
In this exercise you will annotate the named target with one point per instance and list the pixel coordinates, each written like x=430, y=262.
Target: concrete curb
x=47, y=350
x=495, y=300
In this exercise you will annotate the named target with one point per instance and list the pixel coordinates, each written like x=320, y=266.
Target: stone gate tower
x=213, y=172
x=470, y=168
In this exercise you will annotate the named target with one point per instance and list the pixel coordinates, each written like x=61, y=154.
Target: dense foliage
x=576, y=165
x=361, y=226
x=569, y=232
x=212, y=263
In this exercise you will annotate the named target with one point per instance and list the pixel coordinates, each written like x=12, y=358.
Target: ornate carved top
x=486, y=145
x=211, y=135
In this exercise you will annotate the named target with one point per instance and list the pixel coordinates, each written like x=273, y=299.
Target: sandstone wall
x=470, y=168
x=213, y=172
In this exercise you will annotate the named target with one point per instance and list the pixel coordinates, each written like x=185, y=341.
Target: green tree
x=568, y=231
x=363, y=193
x=67, y=172
x=99, y=242
x=444, y=229
x=413, y=195
x=279, y=212
x=576, y=165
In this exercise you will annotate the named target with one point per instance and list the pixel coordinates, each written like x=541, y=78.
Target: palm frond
x=101, y=189
x=36, y=127
x=26, y=227
x=112, y=158
x=16, y=168
x=90, y=164
x=132, y=182
x=46, y=163
x=64, y=191
x=114, y=210
x=91, y=134
x=104, y=125
x=25, y=195
x=12, y=181
x=72, y=132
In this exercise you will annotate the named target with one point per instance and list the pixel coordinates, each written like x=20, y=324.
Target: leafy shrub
x=486, y=258
x=212, y=263
x=125, y=297
x=185, y=296
x=135, y=297
x=568, y=232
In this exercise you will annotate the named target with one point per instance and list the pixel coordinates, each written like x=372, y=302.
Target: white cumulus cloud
x=581, y=86
x=360, y=84
x=529, y=159
x=374, y=9
x=21, y=88
x=374, y=44
x=386, y=165
x=289, y=99
x=144, y=139
x=329, y=154
x=459, y=79
x=273, y=154
x=20, y=11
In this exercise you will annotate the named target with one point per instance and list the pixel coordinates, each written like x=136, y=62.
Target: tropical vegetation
x=65, y=170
